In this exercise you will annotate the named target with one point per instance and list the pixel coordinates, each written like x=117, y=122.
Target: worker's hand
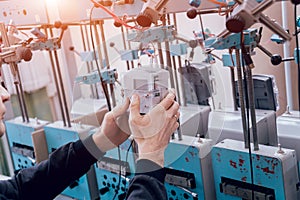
x=114, y=129
x=152, y=131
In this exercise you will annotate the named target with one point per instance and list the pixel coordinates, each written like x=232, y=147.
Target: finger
x=174, y=109
x=168, y=101
x=135, y=106
x=121, y=109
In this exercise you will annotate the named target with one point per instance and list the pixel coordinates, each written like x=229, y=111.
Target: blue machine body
x=275, y=172
x=195, y=3
x=188, y=165
x=178, y=49
x=129, y=55
x=20, y=141
x=233, y=40
x=114, y=172
x=108, y=77
x=58, y=135
x=153, y=34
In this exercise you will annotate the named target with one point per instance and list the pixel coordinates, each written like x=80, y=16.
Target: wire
x=120, y=168
x=297, y=47
x=97, y=64
x=218, y=2
x=126, y=159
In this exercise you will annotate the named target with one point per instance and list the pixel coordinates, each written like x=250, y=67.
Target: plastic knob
x=191, y=13
x=235, y=24
x=276, y=59
x=144, y=20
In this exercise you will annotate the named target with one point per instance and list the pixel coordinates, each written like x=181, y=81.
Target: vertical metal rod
x=62, y=89
x=61, y=86
x=57, y=88
x=252, y=106
x=83, y=37
x=21, y=93
x=169, y=64
x=241, y=96
x=129, y=47
x=160, y=55
x=98, y=44
x=13, y=67
x=104, y=86
x=182, y=89
x=168, y=57
x=124, y=45
x=176, y=79
x=112, y=93
x=180, y=77
x=19, y=100
x=233, y=88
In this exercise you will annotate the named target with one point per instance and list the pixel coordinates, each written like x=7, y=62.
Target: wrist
x=155, y=156
x=103, y=142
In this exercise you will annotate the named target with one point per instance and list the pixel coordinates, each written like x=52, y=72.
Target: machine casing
x=19, y=136
x=57, y=135
x=189, y=172
x=274, y=172
x=228, y=124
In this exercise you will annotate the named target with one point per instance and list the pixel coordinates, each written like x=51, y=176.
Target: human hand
x=114, y=129
x=152, y=131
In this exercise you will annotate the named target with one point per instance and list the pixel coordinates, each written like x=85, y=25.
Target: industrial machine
x=268, y=173
x=20, y=137
x=152, y=56
x=115, y=170
x=288, y=132
x=188, y=166
x=57, y=135
x=228, y=124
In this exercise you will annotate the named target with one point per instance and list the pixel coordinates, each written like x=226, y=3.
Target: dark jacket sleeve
x=148, y=183
x=50, y=177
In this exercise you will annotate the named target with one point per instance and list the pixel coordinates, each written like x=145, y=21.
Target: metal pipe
x=112, y=93
x=83, y=38
x=233, y=89
x=160, y=55
x=176, y=79
x=14, y=72
x=286, y=53
x=19, y=100
x=56, y=81
x=261, y=7
x=124, y=45
x=183, y=99
x=57, y=88
x=60, y=81
x=252, y=106
x=21, y=93
x=241, y=96
x=62, y=89
x=168, y=56
x=104, y=87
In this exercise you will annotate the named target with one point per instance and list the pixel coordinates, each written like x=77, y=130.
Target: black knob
x=235, y=24
x=191, y=13
x=276, y=59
